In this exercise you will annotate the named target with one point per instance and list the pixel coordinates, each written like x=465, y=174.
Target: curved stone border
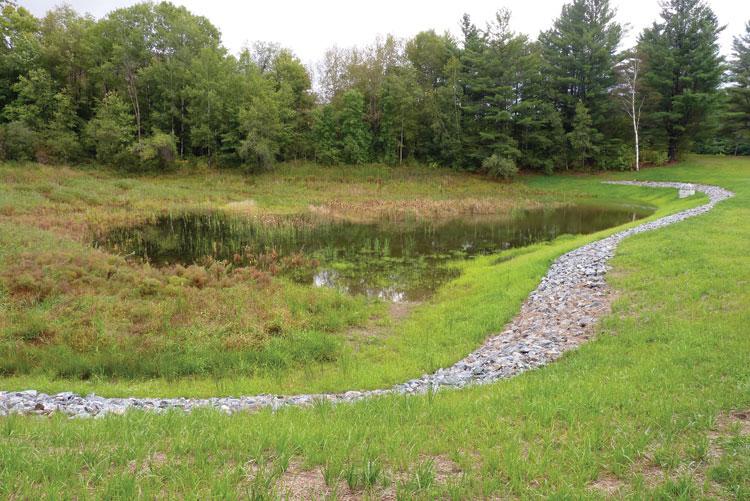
x=556, y=317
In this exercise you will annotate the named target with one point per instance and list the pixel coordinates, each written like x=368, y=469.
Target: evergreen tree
x=738, y=103
x=540, y=133
x=684, y=68
x=580, y=55
x=490, y=78
x=582, y=137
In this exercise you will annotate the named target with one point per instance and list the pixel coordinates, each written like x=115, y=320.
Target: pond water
x=403, y=261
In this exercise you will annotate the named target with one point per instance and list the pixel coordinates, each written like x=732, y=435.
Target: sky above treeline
x=309, y=27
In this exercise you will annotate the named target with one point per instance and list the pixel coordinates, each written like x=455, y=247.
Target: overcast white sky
x=309, y=27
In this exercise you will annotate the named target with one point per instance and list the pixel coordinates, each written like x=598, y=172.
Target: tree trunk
x=672, y=149
x=133, y=92
x=636, y=116
x=401, y=144
x=182, y=127
x=637, y=148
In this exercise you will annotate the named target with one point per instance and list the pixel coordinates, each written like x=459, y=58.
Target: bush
x=59, y=146
x=157, y=152
x=654, y=157
x=258, y=154
x=17, y=141
x=499, y=167
x=616, y=156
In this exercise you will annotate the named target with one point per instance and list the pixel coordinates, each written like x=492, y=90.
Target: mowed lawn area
x=656, y=407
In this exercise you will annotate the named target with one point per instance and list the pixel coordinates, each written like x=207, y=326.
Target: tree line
x=151, y=84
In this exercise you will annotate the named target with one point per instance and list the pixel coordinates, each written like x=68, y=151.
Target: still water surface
x=403, y=261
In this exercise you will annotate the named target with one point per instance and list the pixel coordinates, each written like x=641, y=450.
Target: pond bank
x=556, y=317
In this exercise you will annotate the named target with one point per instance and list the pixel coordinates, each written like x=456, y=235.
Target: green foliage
x=499, y=167
x=615, y=155
x=737, y=126
x=261, y=125
x=541, y=135
x=341, y=133
x=684, y=69
x=355, y=138
x=19, y=47
x=18, y=141
x=399, y=126
x=156, y=152
x=491, y=62
x=35, y=101
x=112, y=130
x=582, y=137
x=579, y=56
x=654, y=157
x=291, y=85
x=61, y=142
x=326, y=136
x=431, y=99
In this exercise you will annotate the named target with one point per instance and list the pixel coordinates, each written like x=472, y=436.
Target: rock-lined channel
x=557, y=316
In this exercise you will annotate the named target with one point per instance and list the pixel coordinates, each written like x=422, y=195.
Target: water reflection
x=394, y=261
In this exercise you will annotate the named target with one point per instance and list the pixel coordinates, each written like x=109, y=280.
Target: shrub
x=616, y=156
x=157, y=152
x=654, y=157
x=500, y=167
x=18, y=141
x=59, y=146
x=259, y=155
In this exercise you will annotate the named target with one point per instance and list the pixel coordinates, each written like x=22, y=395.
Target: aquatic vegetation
x=398, y=261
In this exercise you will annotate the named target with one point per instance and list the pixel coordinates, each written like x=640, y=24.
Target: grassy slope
x=634, y=407
x=437, y=334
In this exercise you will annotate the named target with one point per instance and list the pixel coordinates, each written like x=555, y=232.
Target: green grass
x=99, y=324
x=637, y=409
x=76, y=318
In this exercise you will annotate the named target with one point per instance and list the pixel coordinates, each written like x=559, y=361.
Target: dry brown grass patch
x=242, y=207
x=398, y=210
x=607, y=484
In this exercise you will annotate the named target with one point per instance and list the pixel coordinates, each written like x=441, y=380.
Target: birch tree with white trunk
x=631, y=95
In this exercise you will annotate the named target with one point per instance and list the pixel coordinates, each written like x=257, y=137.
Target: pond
x=404, y=261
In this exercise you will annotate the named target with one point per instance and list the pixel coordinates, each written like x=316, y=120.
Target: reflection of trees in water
x=394, y=261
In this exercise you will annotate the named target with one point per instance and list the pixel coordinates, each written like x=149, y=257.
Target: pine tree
x=582, y=138
x=580, y=56
x=738, y=113
x=540, y=134
x=684, y=68
x=491, y=61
